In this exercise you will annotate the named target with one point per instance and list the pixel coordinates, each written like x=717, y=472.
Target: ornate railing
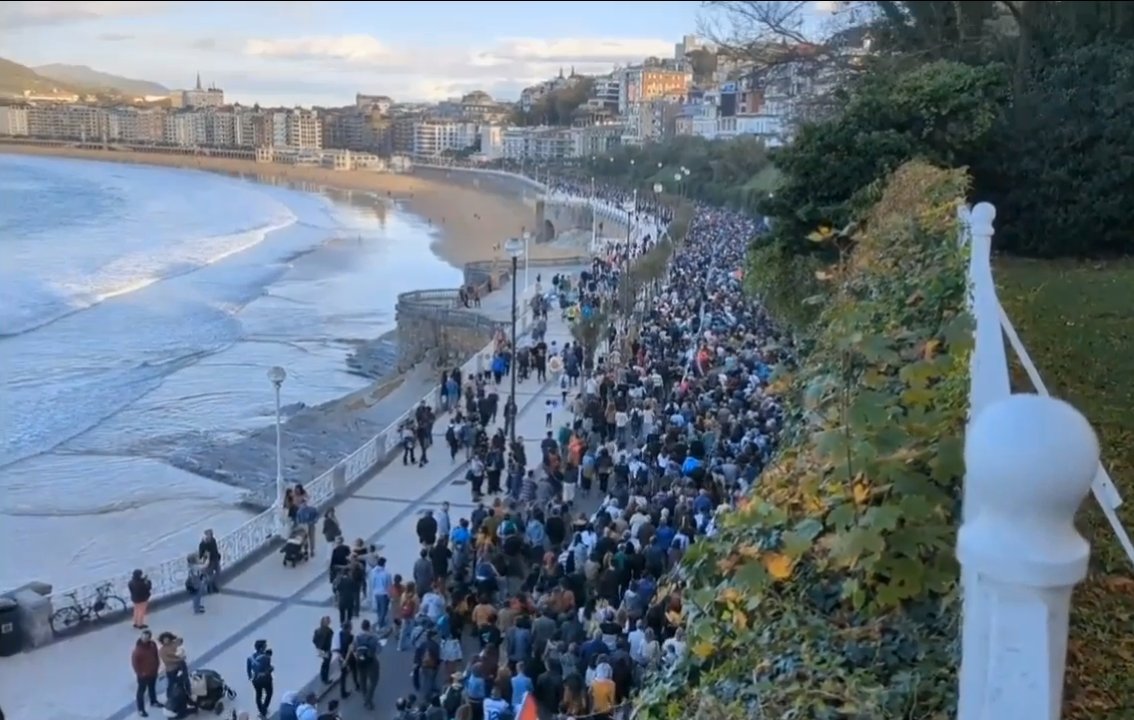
x=1030, y=461
x=259, y=532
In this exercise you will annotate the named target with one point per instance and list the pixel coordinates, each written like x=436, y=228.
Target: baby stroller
x=295, y=549
x=209, y=690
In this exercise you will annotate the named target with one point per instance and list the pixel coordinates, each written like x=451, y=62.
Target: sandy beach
x=473, y=222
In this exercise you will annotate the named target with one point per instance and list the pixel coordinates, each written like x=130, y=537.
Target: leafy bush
x=1062, y=173
x=831, y=593
x=943, y=112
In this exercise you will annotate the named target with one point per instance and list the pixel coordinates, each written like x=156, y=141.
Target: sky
x=322, y=53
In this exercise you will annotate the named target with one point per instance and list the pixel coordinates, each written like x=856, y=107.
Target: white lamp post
x=277, y=375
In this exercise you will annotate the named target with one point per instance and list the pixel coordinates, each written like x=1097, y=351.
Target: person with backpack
x=427, y=664
x=365, y=651
x=260, y=669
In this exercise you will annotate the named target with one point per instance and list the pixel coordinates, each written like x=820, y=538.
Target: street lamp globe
x=514, y=247
x=686, y=171
x=677, y=177
x=658, y=188
x=277, y=375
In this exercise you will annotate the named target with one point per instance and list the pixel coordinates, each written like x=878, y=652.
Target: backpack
x=364, y=650
x=261, y=667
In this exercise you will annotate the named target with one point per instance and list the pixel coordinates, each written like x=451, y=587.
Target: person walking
x=380, y=582
x=144, y=659
x=140, y=589
x=260, y=669
x=209, y=552
x=365, y=650
x=196, y=583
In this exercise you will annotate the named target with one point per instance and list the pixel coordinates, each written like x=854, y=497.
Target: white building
x=492, y=142
x=135, y=125
x=186, y=128
x=304, y=130
x=432, y=138
x=13, y=120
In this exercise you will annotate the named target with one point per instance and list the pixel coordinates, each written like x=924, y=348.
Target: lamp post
x=677, y=177
x=515, y=248
x=526, y=234
x=277, y=375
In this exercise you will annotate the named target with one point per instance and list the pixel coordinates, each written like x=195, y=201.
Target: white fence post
x=1029, y=463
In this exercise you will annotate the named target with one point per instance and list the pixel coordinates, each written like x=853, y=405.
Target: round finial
x=277, y=375
x=982, y=217
x=1031, y=454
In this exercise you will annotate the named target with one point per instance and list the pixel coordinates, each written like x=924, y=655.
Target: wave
x=28, y=303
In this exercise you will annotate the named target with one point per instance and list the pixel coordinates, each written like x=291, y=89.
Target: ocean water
x=142, y=306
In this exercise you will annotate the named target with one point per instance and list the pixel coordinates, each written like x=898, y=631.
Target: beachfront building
x=433, y=138
x=136, y=125
x=304, y=129
x=14, y=120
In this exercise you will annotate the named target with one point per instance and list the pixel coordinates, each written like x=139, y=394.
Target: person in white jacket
x=308, y=709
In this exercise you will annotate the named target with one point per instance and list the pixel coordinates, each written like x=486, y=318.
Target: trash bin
x=11, y=639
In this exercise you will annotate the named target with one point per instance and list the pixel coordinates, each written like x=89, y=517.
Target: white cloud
x=24, y=14
x=441, y=71
x=350, y=48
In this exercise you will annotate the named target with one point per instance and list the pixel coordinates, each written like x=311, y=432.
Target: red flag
x=528, y=710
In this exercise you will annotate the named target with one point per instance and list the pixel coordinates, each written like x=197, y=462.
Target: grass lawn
x=1077, y=322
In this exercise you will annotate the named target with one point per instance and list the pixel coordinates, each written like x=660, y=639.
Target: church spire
x=198, y=81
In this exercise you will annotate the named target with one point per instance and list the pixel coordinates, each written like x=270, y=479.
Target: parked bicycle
x=70, y=617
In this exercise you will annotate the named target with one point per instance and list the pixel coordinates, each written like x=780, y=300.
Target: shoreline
x=471, y=223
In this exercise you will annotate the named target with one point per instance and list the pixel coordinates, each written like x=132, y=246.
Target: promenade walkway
x=89, y=677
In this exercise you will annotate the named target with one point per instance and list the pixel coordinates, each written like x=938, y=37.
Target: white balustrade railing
x=169, y=577
x=1030, y=461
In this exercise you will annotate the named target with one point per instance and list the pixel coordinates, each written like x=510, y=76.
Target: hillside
x=83, y=76
x=16, y=78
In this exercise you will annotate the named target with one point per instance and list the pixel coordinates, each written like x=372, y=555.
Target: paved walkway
x=89, y=677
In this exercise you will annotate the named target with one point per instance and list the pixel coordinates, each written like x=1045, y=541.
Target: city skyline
x=305, y=53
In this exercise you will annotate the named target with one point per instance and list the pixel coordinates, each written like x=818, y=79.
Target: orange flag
x=528, y=710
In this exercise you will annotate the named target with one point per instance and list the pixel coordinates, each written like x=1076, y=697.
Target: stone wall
x=434, y=327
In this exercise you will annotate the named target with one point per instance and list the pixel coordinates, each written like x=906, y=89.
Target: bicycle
x=70, y=617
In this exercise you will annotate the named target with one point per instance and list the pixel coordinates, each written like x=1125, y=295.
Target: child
x=549, y=404
x=563, y=389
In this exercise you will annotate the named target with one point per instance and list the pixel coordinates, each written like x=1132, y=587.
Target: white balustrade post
x=1029, y=462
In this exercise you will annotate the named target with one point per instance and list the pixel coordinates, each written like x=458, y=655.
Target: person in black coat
x=427, y=528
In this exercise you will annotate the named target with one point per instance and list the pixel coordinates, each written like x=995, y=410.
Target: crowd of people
x=553, y=589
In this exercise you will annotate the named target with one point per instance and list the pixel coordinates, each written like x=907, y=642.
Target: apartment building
x=537, y=143
x=605, y=92
x=402, y=132
x=547, y=143
x=645, y=83
x=136, y=125
x=304, y=130
x=432, y=138
x=79, y=122
x=14, y=120
x=187, y=128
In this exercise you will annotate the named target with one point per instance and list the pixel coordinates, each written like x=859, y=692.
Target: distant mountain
x=83, y=76
x=15, y=79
